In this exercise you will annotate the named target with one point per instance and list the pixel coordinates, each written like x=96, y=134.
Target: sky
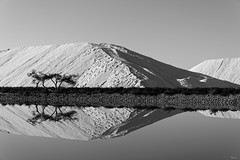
x=182, y=33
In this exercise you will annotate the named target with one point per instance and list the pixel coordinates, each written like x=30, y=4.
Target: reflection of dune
x=227, y=114
x=87, y=122
x=14, y=119
x=141, y=119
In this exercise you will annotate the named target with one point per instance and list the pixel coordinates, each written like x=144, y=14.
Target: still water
x=187, y=135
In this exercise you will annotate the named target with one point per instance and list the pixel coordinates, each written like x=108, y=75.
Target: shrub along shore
x=165, y=98
x=121, y=90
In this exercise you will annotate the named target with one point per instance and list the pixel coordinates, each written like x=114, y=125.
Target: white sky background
x=178, y=32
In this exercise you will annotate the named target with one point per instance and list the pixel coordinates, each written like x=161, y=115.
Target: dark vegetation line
x=121, y=90
x=113, y=100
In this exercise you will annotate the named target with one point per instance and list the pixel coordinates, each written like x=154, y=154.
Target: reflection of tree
x=39, y=115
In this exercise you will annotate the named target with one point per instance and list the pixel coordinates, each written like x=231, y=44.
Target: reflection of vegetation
x=214, y=111
x=40, y=115
x=187, y=109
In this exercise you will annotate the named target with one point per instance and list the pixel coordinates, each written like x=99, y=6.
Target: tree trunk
x=43, y=110
x=56, y=86
x=43, y=84
x=54, y=82
x=60, y=110
x=53, y=113
x=37, y=109
x=60, y=84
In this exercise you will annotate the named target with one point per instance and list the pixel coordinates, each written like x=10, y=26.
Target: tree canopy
x=59, y=79
x=38, y=77
x=56, y=78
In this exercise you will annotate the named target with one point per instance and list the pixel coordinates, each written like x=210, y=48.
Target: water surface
x=188, y=135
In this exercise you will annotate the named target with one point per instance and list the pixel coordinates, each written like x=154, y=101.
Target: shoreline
x=116, y=100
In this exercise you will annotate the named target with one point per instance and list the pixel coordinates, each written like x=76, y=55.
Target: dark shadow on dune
x=160, y=71
x=139, y=119
x=39, y=115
